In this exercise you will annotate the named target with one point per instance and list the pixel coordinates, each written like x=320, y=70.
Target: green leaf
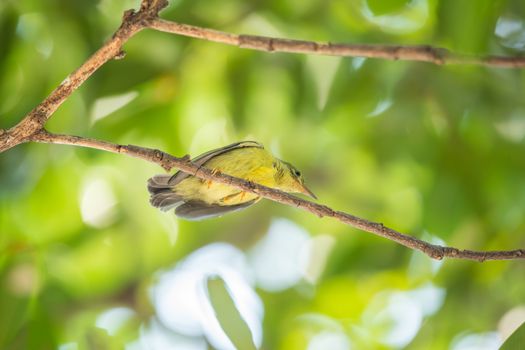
x=516, y=339
x=229, y=317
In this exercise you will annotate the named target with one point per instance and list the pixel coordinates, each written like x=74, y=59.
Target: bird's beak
x=305, y=190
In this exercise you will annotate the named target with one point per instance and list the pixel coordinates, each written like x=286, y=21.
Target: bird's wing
x=161, y=194
x=197, y=210
x=203, y=158
x=166, y=200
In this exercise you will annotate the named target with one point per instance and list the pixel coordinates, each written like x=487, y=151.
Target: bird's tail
x=162, y=195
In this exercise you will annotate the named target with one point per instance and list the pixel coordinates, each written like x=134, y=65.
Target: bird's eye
x=297, y=173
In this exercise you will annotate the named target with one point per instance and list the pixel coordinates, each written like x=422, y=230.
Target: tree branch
x=132, y=22
x=422, y=53
x=31, y=127
x=147, y=17
x=168, y=162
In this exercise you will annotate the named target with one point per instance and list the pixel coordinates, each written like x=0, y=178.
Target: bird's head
x=289, y=179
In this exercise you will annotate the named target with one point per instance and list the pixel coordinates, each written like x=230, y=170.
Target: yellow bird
x=194, y=198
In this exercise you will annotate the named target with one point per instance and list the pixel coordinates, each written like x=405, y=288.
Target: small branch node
x=453, y=252
x=437, y=252
x=120, y=55
x=255, y=42
x=128, y=15
x=395, y=53
x=270, y=45
x=439, y=54
x=152, y=7
x=158, y=154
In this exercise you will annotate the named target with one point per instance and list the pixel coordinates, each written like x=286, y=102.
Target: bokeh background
x=436, y=152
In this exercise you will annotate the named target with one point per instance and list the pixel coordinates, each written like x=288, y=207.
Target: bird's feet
x=214, y=171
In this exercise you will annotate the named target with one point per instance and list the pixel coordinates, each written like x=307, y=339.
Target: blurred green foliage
x=436, y=152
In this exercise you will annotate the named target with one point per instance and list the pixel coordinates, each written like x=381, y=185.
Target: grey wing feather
x=195, y=210
x=161, y=194
x=203, y=158
x=158, y=183
x=166, y=201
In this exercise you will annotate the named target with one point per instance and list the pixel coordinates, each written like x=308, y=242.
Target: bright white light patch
x=329, y=340
x=507, y=26
x=357, y=62
x=68, y=346
x=276, y=259
x=157, y=337
x=511, y=321
x=104, y=106
x=512, y=32
x=171, y=226
x=512, y=129
x=181, y=302
x=113, y=319
x=395, y=317
x=429, y=297
x=381, y=107
x=97, y=203
x=476, y=341
x=322, y=69
x=412, y=18
x=406, y=320
x=315, y=254
x=33, y=27
x=322, y=321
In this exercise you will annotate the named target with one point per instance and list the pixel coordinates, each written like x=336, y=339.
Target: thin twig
x=168, y=162
x=422, y=53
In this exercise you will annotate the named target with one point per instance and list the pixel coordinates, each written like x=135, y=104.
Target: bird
x=196, y=199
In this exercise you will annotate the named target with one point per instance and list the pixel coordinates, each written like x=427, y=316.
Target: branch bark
x=169, y=162
x=31, y=127
x=422, y=53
